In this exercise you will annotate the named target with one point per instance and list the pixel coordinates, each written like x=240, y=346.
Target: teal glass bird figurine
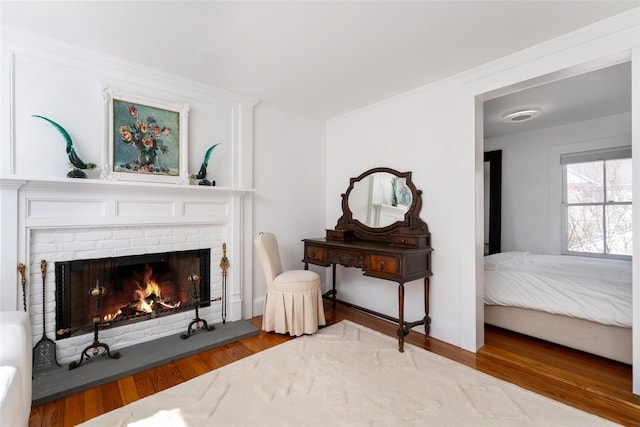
x=202, y=173
x=77, y=164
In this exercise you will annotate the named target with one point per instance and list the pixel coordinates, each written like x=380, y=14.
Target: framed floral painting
x=146, y=139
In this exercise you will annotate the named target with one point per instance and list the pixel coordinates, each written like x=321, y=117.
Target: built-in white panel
x=66, y=208
x=205, y=208
x=145, y=209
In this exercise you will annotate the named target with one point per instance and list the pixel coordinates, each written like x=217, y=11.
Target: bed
x=582, y=303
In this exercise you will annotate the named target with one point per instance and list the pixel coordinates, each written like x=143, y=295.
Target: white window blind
x=595, y=155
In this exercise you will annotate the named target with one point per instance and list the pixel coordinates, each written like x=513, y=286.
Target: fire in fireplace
x=147, y=297
x=138, y=287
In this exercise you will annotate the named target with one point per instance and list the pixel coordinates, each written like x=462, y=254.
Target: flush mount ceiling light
x=521, y=115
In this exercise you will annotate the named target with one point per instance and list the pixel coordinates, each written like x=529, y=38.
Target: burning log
x=148, y=299
x=141, y=307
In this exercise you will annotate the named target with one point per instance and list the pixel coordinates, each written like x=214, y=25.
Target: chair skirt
x=293, y=304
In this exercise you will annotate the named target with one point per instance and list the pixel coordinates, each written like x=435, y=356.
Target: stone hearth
x=60, y=382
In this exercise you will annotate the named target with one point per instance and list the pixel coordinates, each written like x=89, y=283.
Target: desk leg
x=427, y=319
x=401, y=328
x=333, y=281
x=405, y=328
x=332, y=293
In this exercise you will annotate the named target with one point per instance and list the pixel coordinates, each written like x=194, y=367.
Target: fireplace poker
x=44, y=352
x=23, y=281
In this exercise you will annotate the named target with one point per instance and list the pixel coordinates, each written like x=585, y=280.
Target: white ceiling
x=322, y=58
x=587, y=96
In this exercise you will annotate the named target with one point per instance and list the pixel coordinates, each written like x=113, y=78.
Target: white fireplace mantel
x=16, y=181
x=29, y=203
x=64, y=202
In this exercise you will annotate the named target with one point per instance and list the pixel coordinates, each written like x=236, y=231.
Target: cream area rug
x=345, y=375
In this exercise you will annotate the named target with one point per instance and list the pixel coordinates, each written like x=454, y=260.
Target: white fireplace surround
x=45, y=215
x=67, y=219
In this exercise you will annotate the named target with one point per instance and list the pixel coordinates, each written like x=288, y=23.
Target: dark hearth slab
x=54, y=384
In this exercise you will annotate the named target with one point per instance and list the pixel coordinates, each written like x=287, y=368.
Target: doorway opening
x=579, y=107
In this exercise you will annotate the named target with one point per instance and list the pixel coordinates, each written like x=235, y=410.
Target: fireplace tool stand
x=97, y=293
x=224, y=265
x=198, y=322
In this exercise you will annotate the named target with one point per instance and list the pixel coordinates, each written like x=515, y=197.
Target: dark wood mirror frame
x=412, y=226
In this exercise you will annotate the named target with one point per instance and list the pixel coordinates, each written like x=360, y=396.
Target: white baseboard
x=258, y=306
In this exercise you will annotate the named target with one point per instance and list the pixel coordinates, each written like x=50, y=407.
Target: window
x=597, y=203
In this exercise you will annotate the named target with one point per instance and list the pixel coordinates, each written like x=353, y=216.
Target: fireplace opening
x=138, y=287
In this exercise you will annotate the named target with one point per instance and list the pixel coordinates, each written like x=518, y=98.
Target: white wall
x=436, y=132
x=532, y=180
x=289, y=176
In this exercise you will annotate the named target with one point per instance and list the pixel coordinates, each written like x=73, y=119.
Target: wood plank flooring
x=587, y=382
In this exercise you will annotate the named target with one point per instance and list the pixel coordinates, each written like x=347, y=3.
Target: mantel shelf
x=18, y=182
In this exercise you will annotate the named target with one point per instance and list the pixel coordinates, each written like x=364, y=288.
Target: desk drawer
x=316, y=253
x=418, y=241
x=383, y=264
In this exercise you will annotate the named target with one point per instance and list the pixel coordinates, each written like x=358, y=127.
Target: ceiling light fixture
x=521, y=115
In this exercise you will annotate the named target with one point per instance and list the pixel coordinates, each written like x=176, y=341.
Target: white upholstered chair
x=293, y=303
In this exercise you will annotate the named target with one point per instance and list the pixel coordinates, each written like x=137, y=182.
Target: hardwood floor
x=587, y=382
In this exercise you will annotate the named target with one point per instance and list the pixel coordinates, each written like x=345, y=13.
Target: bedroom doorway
x=583, y=110
x=526, y=116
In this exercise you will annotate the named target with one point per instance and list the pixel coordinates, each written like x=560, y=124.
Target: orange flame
x=151, y=287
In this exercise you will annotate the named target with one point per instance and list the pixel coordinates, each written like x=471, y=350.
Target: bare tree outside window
x=598, y=207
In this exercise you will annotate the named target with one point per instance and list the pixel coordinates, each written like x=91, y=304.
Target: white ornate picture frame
x=146, y=140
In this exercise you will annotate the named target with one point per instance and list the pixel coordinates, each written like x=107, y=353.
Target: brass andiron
x=224, y=265
x=96, y=293
x=23, y=281
x=198, y=322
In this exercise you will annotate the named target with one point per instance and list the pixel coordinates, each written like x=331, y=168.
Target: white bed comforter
x=588, y=288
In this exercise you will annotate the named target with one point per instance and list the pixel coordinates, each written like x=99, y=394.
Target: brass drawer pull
x=381, y=265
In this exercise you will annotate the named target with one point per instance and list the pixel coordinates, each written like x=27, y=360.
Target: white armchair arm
x=16, y=359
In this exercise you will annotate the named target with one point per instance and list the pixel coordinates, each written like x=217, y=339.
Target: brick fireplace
x=65, y=246
x=67, y=222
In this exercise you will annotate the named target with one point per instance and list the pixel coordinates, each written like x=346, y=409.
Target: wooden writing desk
x=381, y=260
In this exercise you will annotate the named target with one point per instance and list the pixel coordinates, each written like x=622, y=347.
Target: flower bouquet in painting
x=147, y=139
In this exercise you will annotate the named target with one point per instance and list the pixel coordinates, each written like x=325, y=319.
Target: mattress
x=594, y=289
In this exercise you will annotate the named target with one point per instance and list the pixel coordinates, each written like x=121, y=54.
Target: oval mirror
x=379, y=199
